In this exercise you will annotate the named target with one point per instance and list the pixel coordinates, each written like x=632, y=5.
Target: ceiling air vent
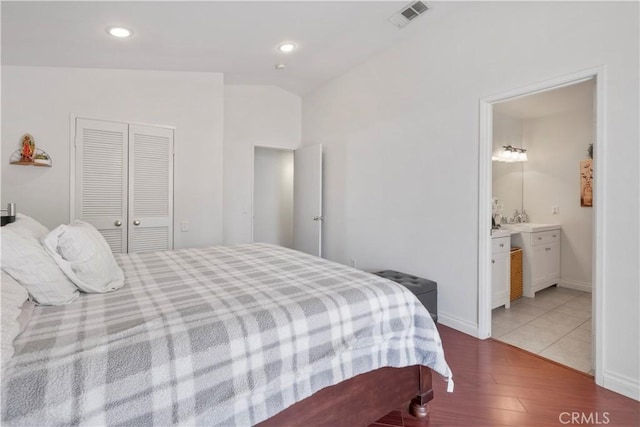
x=408, y=14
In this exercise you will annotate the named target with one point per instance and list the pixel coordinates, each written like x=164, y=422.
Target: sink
x=530, y=227
x=500, y=233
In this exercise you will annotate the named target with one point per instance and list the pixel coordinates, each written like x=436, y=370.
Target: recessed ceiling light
x=286, y=47
x=279, y=66
x=119, y=32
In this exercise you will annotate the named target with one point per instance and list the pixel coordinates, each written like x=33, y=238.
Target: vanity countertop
x=495, y=234
x=530, y=227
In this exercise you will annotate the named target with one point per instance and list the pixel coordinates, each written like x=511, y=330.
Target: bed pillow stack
x=85, y=257
x=53, y=265
x=26, y=261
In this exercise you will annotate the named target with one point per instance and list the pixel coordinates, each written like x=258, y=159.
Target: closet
x=123, y=183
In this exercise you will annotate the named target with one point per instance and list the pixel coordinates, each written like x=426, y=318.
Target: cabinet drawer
x=500, y=244
x=544, y=237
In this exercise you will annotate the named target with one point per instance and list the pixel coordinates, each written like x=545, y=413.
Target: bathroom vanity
x=500, y=268
x=541, y=255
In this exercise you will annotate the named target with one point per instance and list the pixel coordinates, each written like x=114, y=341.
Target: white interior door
x=150, y=188
x=101, y=178
x=307, y=200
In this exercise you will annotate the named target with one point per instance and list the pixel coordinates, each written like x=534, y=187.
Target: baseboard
x=624, y=385
x=458, y=324
x=576, y=284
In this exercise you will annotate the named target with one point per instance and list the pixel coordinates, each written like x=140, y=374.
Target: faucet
x=517, y=217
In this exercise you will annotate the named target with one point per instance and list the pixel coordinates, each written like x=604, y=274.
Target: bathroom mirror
x=508, y=178
x=508, y=181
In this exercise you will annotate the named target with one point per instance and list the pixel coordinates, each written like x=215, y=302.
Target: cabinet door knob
x=539, y=238
x=547, y=249
x=493, y=261
x=118, y=223
x=554, y=235
x=136, y=222
x=502, y=245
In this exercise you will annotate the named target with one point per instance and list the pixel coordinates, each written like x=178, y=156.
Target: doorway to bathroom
x=558, y=124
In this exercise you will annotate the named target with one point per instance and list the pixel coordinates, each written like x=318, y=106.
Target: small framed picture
x=586, y=183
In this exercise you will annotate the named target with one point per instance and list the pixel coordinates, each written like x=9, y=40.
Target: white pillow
x=27, y=227
x=85, y=257
x=24, y=259
x=13, y=296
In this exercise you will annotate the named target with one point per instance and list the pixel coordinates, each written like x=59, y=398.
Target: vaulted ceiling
x=237, y=38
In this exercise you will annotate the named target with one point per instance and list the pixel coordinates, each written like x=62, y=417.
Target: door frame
x=599, y=195
x=253, y=177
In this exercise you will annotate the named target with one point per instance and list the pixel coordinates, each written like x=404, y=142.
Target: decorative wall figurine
x=28, y=148
x=29, y=155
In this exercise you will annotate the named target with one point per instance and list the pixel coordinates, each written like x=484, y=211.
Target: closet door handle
x=136, y=222
x=493, y=261
x=118, y=223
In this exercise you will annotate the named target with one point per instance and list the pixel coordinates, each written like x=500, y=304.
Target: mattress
x=212, y=336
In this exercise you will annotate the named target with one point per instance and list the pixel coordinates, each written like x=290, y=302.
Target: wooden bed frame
x=361, y=400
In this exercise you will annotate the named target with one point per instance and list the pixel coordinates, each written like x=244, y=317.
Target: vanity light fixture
x=511, y=154
x=286, y=47
x=119, y=32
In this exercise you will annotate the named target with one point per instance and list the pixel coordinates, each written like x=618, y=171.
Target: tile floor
x=556, y=324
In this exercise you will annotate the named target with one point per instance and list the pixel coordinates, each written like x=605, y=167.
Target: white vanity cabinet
x=541, y=261
x=500, y=271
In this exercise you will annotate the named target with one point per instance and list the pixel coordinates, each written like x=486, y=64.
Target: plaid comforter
x=213, y=336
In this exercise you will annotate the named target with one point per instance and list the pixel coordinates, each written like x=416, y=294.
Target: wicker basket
x=516, y=273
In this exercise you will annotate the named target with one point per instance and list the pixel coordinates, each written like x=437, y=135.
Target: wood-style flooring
x=497, y=384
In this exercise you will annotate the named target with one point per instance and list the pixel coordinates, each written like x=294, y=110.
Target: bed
x=230, y=336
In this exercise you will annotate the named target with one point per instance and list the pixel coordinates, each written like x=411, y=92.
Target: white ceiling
x=238, y=39
x=556, y=101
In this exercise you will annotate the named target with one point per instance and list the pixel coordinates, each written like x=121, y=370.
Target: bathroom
x=554, y=131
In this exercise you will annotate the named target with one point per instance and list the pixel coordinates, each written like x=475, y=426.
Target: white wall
x=273, y=196
x=39, y=101
x=556, y=145
x=253, y=115
x=507, y=177
x=401, y=142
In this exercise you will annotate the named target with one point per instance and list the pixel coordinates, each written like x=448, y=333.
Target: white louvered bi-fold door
x=101, y=178
x=150, y=188
x=124, y=183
